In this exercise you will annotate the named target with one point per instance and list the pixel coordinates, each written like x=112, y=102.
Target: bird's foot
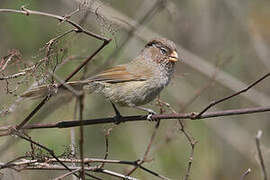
x=149, y=117
x=118, y=116
x=150, y=111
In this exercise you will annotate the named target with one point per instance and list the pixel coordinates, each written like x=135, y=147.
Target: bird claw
x=151, y=113
x=149, y=117
x=117, y=117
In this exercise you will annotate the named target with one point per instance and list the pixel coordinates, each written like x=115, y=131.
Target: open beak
x=173, y=57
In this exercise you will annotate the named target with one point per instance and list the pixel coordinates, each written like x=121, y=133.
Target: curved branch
x=29, y=12
x=233, y=95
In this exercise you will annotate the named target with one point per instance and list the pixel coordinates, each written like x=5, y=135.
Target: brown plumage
x=135, y=83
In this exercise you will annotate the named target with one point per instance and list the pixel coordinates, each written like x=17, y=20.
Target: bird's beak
x=173, y=57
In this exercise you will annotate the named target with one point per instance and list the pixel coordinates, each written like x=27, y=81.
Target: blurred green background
x=233, y=36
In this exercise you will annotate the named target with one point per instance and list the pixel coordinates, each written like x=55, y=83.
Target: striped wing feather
x=117, y=74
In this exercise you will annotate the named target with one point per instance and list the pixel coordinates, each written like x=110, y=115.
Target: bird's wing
x=118, y=74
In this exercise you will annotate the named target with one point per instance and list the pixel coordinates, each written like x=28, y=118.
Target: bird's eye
x=163, y=50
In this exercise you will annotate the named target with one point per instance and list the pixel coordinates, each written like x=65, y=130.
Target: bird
x=133, y=84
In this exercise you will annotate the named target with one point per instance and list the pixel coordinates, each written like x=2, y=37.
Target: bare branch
x=108, y=131
x=70, y=88
x=115, y=174
x=35, y=165
x=244, y=175
x=4, y=64
x=48, y=164
x=67, y=174
x=40, y=105
x=17, y=133
x=80, y=29
x=190, y=116
x=191, y=59
x=258, y=137
x=145, y=156
x=233, y=95
x=81, y=107
x=156, y=7
x=189, y=137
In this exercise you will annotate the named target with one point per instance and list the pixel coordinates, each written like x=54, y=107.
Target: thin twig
x=60, y=18
x=115, y=174
x=73, y=136
x=81, y=142
x=40, y=105
x=78, y=29
x=53, y=40
x=233, y=95
x=106, y=147
x=47, y=164
x=189, y=137
x=244, y=175
x=133, y=28
x=86, y=61
x=141, y=161
x=68, y=16
x=11, y=163
x=67, y=174
x=24, y=71
x=67, y=86
x=33, y=112
x=17, y=133
x=145, y=156
x=258, y=137
x=23, y=161
x=210, y=83
x=191, y=59
x=5, y=64
x=190, y=161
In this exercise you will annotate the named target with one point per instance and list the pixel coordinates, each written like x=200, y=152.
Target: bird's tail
x=44, y=90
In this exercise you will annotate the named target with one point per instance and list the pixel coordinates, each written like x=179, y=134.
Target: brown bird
x=133, y=84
